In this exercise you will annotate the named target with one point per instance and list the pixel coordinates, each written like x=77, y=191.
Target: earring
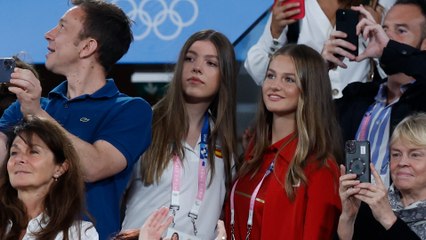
x=55, y=177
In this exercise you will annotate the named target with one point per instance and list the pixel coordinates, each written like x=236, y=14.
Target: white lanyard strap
x=177, y=167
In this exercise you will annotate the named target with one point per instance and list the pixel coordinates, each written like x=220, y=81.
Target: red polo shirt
x=313, y=214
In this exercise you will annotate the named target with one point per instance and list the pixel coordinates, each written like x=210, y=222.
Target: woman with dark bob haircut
x=41, y=185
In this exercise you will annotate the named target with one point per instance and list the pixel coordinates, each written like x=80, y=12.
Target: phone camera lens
x=350, y=146
x=8, y=64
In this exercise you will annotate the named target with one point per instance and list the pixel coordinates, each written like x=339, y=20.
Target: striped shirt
x=375, y=128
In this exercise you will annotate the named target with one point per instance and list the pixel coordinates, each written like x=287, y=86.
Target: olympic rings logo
x=145, y=23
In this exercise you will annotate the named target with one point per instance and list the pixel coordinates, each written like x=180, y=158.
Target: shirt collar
x=37, y=223
x=287, y=152
x=383, y=91
x=107, y=91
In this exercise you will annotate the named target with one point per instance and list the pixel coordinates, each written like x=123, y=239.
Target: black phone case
x=346, y=21
x=357, y=158
x=6, y=68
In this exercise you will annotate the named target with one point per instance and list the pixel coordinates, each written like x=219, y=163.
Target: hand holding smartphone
x=301, y=14
x=7, y=66
x=357, y=158
x=346, y=21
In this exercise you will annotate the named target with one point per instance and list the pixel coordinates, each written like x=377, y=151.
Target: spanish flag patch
x=218, y=152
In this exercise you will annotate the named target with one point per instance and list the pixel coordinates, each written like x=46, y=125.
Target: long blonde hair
x=317, y=130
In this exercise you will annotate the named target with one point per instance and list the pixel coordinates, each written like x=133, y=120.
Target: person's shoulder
x=124, y=99
x=315, y=168
x=323, y=181
x=360, y=89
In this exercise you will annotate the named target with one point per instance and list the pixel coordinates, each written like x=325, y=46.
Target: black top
x=366, y=227
x=357, y=96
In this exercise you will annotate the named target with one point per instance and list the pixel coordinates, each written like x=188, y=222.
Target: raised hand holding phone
x=372, y=31
x=284, y=13
x=300, y=6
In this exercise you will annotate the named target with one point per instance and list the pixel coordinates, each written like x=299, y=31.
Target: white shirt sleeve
x=258, y=55
x=87, y=230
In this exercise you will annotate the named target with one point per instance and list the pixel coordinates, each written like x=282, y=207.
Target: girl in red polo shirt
x=288, y=186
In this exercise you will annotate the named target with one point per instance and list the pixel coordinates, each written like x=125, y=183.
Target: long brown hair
x=63, y=204
x=317, y=130
x=170, y=120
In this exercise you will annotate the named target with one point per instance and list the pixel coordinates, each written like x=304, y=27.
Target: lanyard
x=254, y=194
x=252, y=201
x=202, y=177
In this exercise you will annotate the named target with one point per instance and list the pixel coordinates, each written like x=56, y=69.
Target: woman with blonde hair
x=288, y=186
x=397, y=212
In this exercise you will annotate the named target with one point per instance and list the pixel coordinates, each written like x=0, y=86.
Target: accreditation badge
x=173, y=234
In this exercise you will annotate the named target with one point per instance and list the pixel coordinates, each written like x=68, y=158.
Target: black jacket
x=357, y=97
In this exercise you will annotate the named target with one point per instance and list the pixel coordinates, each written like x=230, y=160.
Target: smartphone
x=346, y=21
x=357, y=159
x=6, y=68
x=301, y=14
